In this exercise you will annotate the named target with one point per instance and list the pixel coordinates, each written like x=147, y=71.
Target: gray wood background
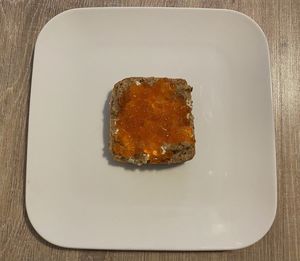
x=20, y=23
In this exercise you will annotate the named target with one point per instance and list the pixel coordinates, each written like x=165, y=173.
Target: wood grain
x=21, y=21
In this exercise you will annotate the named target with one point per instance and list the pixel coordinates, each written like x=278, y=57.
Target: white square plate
x=225, y=198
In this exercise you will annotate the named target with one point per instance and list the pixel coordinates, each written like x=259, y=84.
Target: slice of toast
x=151, y=121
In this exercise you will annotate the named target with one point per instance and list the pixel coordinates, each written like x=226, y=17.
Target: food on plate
x=151, y=121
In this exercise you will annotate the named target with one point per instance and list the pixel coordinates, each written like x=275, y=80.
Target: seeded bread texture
x=181, y=152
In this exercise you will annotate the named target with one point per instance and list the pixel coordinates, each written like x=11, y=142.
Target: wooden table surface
x=20, y=23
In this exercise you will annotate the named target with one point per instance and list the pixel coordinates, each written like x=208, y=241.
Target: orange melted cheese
x=149, y=118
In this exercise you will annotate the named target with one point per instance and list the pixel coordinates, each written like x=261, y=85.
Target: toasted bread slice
x=151, y=121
